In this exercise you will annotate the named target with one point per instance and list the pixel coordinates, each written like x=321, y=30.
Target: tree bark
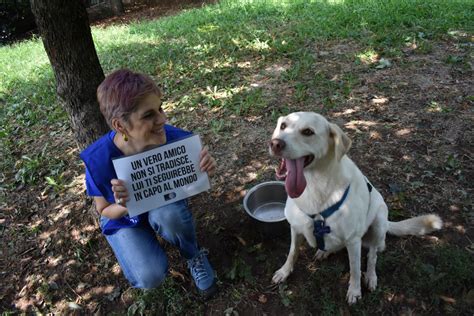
x=66, y=34
x=117, y=7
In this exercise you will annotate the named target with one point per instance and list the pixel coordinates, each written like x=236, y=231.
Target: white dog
x=330, y=201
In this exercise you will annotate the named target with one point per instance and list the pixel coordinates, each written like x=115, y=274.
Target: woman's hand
x=120, y=191
x=206, y=162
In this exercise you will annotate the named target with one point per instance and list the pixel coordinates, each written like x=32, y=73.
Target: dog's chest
x=333, y=242
x=310, y=203
x=327, y=216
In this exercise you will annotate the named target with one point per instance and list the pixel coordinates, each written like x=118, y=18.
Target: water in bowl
x=270, y=212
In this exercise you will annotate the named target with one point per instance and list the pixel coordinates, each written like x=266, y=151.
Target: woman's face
x=145, y=128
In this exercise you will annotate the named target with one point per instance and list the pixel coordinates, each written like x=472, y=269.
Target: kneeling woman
x=131, y=105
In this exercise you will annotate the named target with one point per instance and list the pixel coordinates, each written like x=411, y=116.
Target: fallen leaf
x=394, y=188
x=231, y=312
x=241, y=240
x=262, y=298
x=470, y=248
x=74, y=306
x=470, y=297
x=377, y=100
x=447, y=299
x=176, y=274
x=383, y=63
x=115, y=293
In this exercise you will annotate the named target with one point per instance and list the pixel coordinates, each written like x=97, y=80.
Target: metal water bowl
x=265, y=203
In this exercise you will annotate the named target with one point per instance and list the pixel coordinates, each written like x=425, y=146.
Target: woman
x=131, y=105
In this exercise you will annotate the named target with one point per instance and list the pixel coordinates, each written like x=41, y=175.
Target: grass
x=445, y=271
x=216, y=57
x=168, y=299
x=204, y=45
x=203, y=56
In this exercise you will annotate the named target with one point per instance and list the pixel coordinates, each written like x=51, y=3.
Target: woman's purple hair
x=121, y=91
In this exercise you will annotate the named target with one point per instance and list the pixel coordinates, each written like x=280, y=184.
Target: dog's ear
x=342, y=143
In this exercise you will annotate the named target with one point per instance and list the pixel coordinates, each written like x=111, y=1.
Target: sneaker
x=203, y=274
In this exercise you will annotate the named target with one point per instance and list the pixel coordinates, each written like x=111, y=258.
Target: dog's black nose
x=277, y=145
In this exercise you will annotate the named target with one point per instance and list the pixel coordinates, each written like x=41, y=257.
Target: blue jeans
x=143, y=261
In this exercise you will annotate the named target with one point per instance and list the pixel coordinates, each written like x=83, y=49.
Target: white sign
x=162, y=175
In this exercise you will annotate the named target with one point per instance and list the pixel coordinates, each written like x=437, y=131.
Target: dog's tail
x=419, y=225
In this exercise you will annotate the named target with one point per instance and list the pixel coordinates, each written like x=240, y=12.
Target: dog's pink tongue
x=295, y=182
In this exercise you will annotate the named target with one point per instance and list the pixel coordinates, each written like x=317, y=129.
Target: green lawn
x=196, y=54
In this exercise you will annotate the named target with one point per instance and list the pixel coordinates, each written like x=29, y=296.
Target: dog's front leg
x=354, y=251
x=281, y=274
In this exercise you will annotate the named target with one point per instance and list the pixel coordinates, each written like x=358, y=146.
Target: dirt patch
x=149, y=10
x=412, y=129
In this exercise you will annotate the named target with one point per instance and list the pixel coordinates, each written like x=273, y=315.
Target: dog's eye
x=282, y=126
x=307, y=132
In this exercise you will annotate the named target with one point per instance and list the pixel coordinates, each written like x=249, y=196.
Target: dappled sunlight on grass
x=368, y=57
x=407, y=158
x=62, y=213
x=203, y=49
x=78, y=235
x=360, y=123
x=244, y=64
x=107, y=289
x=116, y=270
x=213, y=93
x=54, y=261
x=347, y=112
x=458, y=228
x=404, y=132
x=258, y=45
x=208, y=28
x=77, y=185
x=112, y=34
x=435, y=107
x=253, y=171
x=46, y=235
x=22, y=61
x=24, y=303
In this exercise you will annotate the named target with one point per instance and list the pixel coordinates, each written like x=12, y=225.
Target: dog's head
x=302, y=139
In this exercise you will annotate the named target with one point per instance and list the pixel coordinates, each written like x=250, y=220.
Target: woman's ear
x=342, y=143
x=118, y=125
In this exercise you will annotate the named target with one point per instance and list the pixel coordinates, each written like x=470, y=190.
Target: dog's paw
x=280, y=275
x=353, y=295
x=321, y=255
x=370, y=281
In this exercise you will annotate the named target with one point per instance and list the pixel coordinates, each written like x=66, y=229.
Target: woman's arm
x=112, y=211
x=116, y=210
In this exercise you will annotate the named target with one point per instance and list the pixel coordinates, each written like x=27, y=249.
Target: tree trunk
x=117, y=7
x=66, y=34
